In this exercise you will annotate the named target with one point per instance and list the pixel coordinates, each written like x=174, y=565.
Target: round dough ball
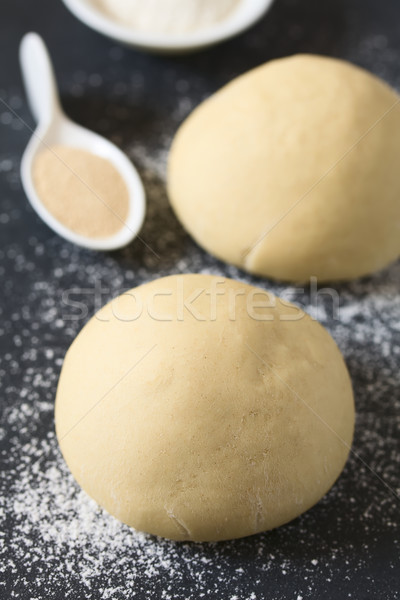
x=200, y=408
x=292, y=171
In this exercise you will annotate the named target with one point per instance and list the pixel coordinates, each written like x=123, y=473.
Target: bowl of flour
x=169, y=25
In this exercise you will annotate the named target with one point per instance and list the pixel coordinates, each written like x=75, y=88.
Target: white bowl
x=244, y=16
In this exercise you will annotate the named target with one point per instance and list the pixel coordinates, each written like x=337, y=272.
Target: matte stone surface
x=55, y=542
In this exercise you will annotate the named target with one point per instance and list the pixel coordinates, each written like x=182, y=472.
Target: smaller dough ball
x=201, y=408
x=292, y=171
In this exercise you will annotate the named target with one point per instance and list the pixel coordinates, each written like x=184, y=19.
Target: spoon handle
x=39, y=80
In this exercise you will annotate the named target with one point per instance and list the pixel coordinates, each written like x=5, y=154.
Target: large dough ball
x=292, y=171
x=198, y=416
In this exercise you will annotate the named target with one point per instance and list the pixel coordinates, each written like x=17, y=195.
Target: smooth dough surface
x=292, y=171
x=204, y=419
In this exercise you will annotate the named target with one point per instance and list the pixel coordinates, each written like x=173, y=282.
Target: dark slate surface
x=55, y=542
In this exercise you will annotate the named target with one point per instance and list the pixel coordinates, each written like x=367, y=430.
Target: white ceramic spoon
x=55, y=128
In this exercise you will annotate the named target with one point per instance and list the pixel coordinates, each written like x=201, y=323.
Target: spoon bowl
x=54, y=128
x=247, y=13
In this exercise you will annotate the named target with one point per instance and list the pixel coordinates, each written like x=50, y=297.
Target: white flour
x=168, y=16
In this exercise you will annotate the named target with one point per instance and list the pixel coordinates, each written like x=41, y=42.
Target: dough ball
x=292, y=171
x=200, y=408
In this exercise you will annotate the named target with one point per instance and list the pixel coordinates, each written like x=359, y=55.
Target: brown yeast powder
x=83, y=191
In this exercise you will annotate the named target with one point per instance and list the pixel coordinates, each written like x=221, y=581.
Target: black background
x=348, y=545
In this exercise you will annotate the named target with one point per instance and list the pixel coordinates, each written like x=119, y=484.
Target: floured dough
x=201, y=408
x=292, y=171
